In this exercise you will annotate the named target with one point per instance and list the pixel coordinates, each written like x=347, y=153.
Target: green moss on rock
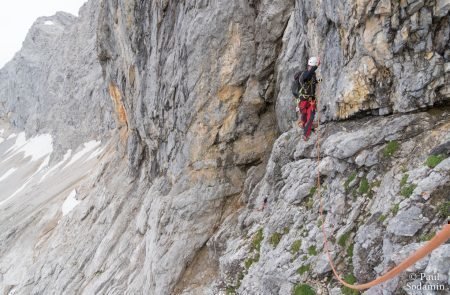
x=349, y=180
x=343, y=239
x=303, y=289
x=407, y=190
x=304, y=268
x=363, y=186
x=395, y=209
x=296, y=246
x=312, y=250
x=404, y=179
x=274, y=239
x=350, y=251
x=257, y=239
x=434, y=160
x=350, y=278
x=444, y=209
x=391, y=148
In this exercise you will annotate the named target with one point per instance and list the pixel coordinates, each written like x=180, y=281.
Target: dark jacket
x=307, y=83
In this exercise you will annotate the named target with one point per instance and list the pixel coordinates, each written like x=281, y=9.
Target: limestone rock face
x=378, y=57
x=373, y=218
x=203, y=186
x=54, y=83
x=196, y=81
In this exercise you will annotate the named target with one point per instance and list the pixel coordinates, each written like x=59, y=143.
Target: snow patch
x=20, y=141
x=44, y=164
x=88, y=147
x=53, y=169
x=96, y=153
x=16, y=192
x=67, y=155
x=38, y=147
x=49, y=23
x=12, y=135
x=7, y=174
x=70, y=203
x=35, y=147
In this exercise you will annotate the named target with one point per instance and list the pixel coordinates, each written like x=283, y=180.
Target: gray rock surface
x=199, y=95
x=407, y=222
x=54, y=83
x=378, y=57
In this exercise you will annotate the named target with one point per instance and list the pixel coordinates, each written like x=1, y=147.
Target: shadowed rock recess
x=192, y=102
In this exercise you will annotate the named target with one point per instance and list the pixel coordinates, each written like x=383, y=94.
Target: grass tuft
x=395, y=209
x=231, y=290
x=248, y=262
x=312, y=191
x=444, y=210
x=434, y=160
x=304, y=268
x=343, y=239
x=404, y=180
x=257, y=239
x=296, y=246
x=350, y=251
x=309, y=203
x=312, y=250
x=274, y=239
x=303, y=289
x=319, y=223
x=349, y=180
x=350, y=278
x=376, y=183
x=363, y=186
x=427, y=237
x=407, y=190
x=390, y=149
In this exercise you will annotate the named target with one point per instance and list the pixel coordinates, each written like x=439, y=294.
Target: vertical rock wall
x=378, y=57
x=196, y=78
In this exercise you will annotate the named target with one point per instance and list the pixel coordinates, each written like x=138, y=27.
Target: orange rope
x=439, y=239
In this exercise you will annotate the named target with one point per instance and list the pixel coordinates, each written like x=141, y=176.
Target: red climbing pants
x=307, y=113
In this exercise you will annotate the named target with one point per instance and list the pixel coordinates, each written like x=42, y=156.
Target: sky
x=17, y=16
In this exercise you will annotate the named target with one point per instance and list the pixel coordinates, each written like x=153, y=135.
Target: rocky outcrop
x=200, y=95
x=372, y=210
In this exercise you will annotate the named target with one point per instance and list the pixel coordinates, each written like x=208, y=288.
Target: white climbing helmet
x=313, y=61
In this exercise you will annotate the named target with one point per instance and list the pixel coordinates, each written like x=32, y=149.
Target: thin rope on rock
x=439, y=239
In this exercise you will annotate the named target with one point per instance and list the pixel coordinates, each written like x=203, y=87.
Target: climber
x=264, y=205
x=304, y=89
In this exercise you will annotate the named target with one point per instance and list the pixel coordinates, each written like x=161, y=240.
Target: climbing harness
x=301, y=92
x=439, y=239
